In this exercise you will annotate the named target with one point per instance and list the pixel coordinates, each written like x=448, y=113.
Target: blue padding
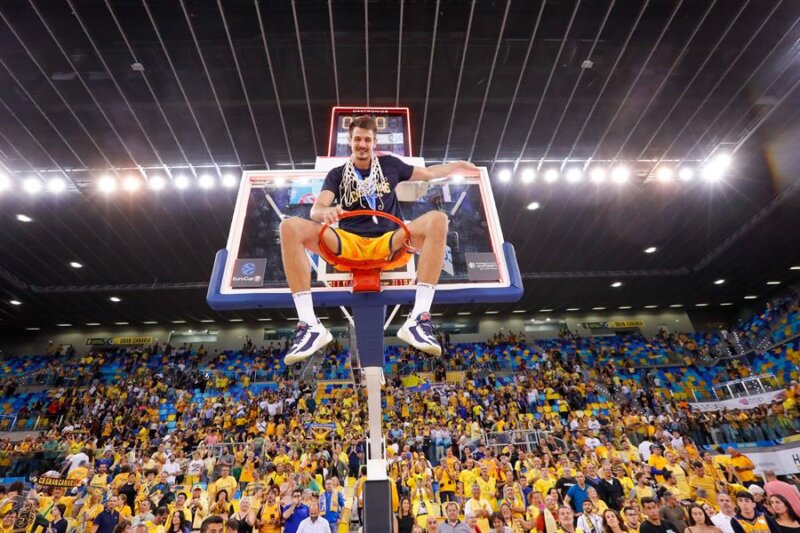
x=232, y=302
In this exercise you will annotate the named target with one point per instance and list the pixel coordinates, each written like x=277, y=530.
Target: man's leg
x=297, y=236
x=429, y=236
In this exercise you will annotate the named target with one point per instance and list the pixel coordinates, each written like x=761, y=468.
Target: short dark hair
x=744, y=494
x=364, y=121
x=232, y=523
x=162, y=511
x=213, y=519
x=647, y=499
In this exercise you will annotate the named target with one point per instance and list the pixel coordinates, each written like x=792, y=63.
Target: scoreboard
x=394, y=129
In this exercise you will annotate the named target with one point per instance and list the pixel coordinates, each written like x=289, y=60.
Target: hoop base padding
x=366, y=280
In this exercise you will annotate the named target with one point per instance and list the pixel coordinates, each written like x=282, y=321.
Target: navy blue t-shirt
x=395, y=171
x=300, y=513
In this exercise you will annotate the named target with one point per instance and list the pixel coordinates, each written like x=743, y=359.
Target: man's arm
x=322, y=211
x=440, y=171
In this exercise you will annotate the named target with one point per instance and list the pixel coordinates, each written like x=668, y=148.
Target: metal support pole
x=369, y=322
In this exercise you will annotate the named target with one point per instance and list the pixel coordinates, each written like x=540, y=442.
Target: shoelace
x=302, y=328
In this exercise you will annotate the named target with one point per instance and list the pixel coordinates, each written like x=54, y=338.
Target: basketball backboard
x=479, y=265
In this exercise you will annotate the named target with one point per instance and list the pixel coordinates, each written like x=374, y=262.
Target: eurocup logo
x=248, y=269
x=471, y=265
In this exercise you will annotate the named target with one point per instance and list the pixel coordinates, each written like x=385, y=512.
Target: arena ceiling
x=89, y=88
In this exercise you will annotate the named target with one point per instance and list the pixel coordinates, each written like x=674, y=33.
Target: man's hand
x=330, y=215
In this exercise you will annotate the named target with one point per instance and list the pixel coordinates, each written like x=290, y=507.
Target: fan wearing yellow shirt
x=225, y=482
x=701, y=480
x=544, y=483
x=269, y=516
x=158, y=523
x=657, y=463
x=742, y=466
x=479, y=506
x=7, y=524
x=488, y=487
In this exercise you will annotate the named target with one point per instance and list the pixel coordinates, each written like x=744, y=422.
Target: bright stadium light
x=551, y=175
x=598, y=175
x=533, y=206
x=206, y=181
x=574, y=175
x=650, y=250
x=181, y=182
x=686, y=173
x=24, y=218
x=115, y=299
x=107, y=184
x=229, y=181
x=32, y=185
x=620, y=174
x=131, y=184
x=665, y=173
x=617, y=284
x=57, y=185
x=719, y=282
x=15, y=302
x=5, y=182
x=156, y=183
x=504, y=175
x=75, y=264
x=279, y=181
x=715, y=169
x=528, y=175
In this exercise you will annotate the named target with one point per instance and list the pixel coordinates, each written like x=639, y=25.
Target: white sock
x=422, y=303
x=305, y=307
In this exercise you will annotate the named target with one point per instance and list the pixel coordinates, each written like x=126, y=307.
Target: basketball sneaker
x=307, y=340
x=418, y=332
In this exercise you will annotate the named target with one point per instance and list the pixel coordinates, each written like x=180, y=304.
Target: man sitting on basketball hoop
x=366, y=181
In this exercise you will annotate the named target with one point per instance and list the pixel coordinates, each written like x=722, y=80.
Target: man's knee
x=437, y=220
x=294, y=228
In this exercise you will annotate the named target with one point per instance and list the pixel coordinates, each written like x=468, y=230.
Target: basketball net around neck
x=353, y=187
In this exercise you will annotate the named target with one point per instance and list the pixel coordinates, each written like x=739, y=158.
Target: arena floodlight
x=504, y=175
x=457, y=178
x=5, y=182
x=665, y=173
x=32, y=185
x=156, y=183
x=24, y=218
x=598, y=175
x=229, y=181
x=533, y=206
x=686, y=173
x=616, y=284
x=15, y=302
x=107, y=184
x=131, y=184
x=650, y=250
x=57, y=185
x=115, y=299
x=620, y=174
x=719, y=282
x=181, y=182
x=551, y=175
x=574, y=175
x=75, y=264
x=715, y=168
x=528, y=175
x=206, y=181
